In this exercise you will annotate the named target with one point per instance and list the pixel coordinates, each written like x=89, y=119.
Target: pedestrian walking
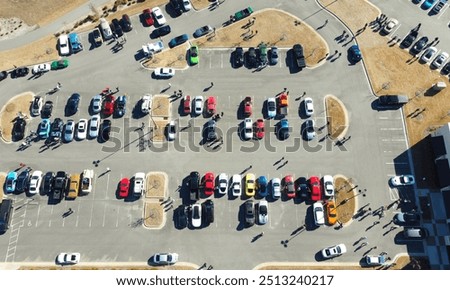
x=335, y=52
x=170, y=85
x=108, y=169
x=363, y=244
x=221, y=114
x=212, y=84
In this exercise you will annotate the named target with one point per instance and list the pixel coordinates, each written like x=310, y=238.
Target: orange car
x=331, y=212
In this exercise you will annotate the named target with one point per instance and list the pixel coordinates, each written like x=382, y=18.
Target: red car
x=211, y=105
x=314, y=185
x=209, y=183
x=108, y=105
x=248, y=106
x=187, y=104
x=289, y=186
x=259, y=129
x=147, y=17
x=124, y=187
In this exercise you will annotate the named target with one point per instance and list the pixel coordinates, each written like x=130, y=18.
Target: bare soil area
x=156, y=185
x=200, y=4
x=173, y=57
x=2, y=182
x=20, y=103
x=159, y=128
x=337, y=118
x=160, y=106
x=153, y=214
x=345, y=199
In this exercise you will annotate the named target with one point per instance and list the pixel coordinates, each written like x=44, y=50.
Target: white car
x=36, y=106
x=187, y=5
x=96, y=104
x=309, y=107
x=375, y=260
x=158, y=16
x=171, y=131
x=196, y=215
x=402, y=180
x=440, y=60
x=328, y=185
x=198, y=105
x=68, y=258
x=390, y=25
x=35, y=182
x=223, y=183
x=146, y=104
x=263, y=212
x=236, y=185
x=319, y=215
x=428, y=54
x=69, y=130
x=139, y=184
x=271, y=108
x=164, y=72
x=334, y=251
x=41, y=68
x=82, y=129
x=63, y=45
x=165, y=258
x=276, y=188
x=248, y=129
x=94, y=125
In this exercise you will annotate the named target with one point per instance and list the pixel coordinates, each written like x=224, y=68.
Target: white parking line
x=393, y=140
x=393, y=32
x=391, y=129
x=443, y=10
x=104, y=215
x=221, y=60
x=37, y=217
x=107, y=186
x=383, y=118
x=118, y=214
x=92, y=211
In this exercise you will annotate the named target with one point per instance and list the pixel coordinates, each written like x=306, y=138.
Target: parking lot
x=104, y=228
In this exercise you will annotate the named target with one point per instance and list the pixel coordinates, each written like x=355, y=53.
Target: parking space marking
x=221, y=60
x=391, y=129
x=443, y=11
x=104, y=215
x=393, y=139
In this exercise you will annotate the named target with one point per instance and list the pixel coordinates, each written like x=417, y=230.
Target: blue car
x=427, y=4
x=44, y=129
x=354, y=53
x=11, y=179
x=283, y=130
x=75, y=43
x=261, y=185
x=178, y=40
x=121, y=104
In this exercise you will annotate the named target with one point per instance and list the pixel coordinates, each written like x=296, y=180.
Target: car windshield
x=263, y=210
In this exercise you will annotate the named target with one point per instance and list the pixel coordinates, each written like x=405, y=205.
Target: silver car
x=96, y=104
x=94, y=125
x=69, y=130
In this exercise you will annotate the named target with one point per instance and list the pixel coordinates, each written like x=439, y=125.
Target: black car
x=56, y=129
x=420, y=45
x=393, y=100
x=302, y=188
x=20, y=72
x=202, y=31
x=251, y=57
x=22, y=181
x=249, y=213
x=19, y=129
x=116, y=28
x=72, y=104
x=97, y=37
x=47, y=109
x=120, y=104
x=407, y=219
x=59, y=185
x=181, y=217
x=105, y=130
x=211, y=130
x=409, y=39
x=194, y=181
x=47, y=182
x=126, y=23
x=446, y=69
x=161, y=31
x=178, y=40
x=273, y=56
x=3, y=75
x=208, y=211
x=176, y=6
x=238, y=57
x=298, y=57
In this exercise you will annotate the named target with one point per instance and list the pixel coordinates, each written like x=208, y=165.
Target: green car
x=193, y=54
x=58, y=64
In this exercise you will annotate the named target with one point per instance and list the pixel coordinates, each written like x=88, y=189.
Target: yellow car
x=250, y=184
x=331, y=212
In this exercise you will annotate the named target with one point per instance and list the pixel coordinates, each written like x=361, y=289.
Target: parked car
x=44, y=129
x=314, y=187
x=331, y=212
x=94, y=126
x=60, y=185
x=309, y=106
x=176, y=7
x=121, y=105
x=68, y=258
x=208, y=184
x=139, y=184
x=69, y=131
x=309, y=130
x=56, y=129
x=158, y=16
x=248, y=129
x=276, y=188
x=196, y=216
x=202, y=31
x=187, y=104
x=262, y=186
x=194, y=181
x=18, y=131
x=211, y=134
x=40, y=68
x=446, y=69
x=248, y=106
x=161, y=31
x=108, y=105
x=263, y=212
x=75, y=43
x=116, y=28
x=438, y=7
x=402, y=180
x=146, y=104
x=420, y=45
x=3, y=75
x=409, y=39
x=105, y=130
x=354, y=53
x=186, y=5
x=97, y=37
x=249, y=213
x=334, y=251
x=289, y=186
x=72, y=104
x=178, y=40
x=415, y=233
x=208, y=211
x=171, y=130
x=236, y=185
x=147, y=17
x=181, y=217
x=283, y=129
x=222, y=185
x=390, y=25
x=59, y=64
x=36, y=106
x=20, y=72
x=126, y=23
x=393, y=100
x=211, y=104
x=63, y=42
x=407, y=218
x=427, y=4
x=47, y=182
x=250, y=187
x=273, y=55
x=328, y=186
x=22, y=181
x=193, y=55
x=82, y=129
x=198, y=105
x=428, y=54
x=165, y=258
x=238, y=57
x=302, y=188
x=35, y=182
x=440, y=60
x=319, y=214
x=259, y=129
x=164, y=72
x=124, y=187
x=10, y=183
x=372, y=260
x=251, y=58
x=271, y=108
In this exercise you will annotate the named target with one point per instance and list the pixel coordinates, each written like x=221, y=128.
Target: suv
x=36, y=106
x=393, y=100
x=126, y=23
x=409, y=39
x=177, y=8
x=420, y=45
x=97, y=37
x=56, y=129
x=139, y=184
x=72, y=104
x=194, y=180
x=299, y=58
x=251, y=57
x=59, y=185
x=5, y=214
x=208, y=211
x=211, y=130
x=238, y=58
x=75, y=43
x=249, y=213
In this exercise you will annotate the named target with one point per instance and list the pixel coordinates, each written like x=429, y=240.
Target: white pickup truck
x=86, y=181
x=151, y=48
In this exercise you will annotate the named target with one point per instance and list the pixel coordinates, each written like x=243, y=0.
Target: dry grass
x=160, y=106
x=153, y=214
x=345, y=201
x=173, y=57
x=337, y=118
x=286, y=35
x=156, y=185
x=200, y=4
x=159, y=128
x=2, y=182
x=19, y=103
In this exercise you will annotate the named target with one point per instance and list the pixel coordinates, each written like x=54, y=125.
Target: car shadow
x=241, y=217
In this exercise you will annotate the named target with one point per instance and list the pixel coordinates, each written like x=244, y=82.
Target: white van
x=106, y=29
x=63, y=45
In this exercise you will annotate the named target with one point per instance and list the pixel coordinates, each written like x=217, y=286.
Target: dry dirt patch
x=200, y=4
x=337, y=118
x=156, y=185
x=174, y=57
x=160, y=106
x=159, y=128
x=20, y=103
x=345, y=199
x=2, y=182
x=153, y=214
